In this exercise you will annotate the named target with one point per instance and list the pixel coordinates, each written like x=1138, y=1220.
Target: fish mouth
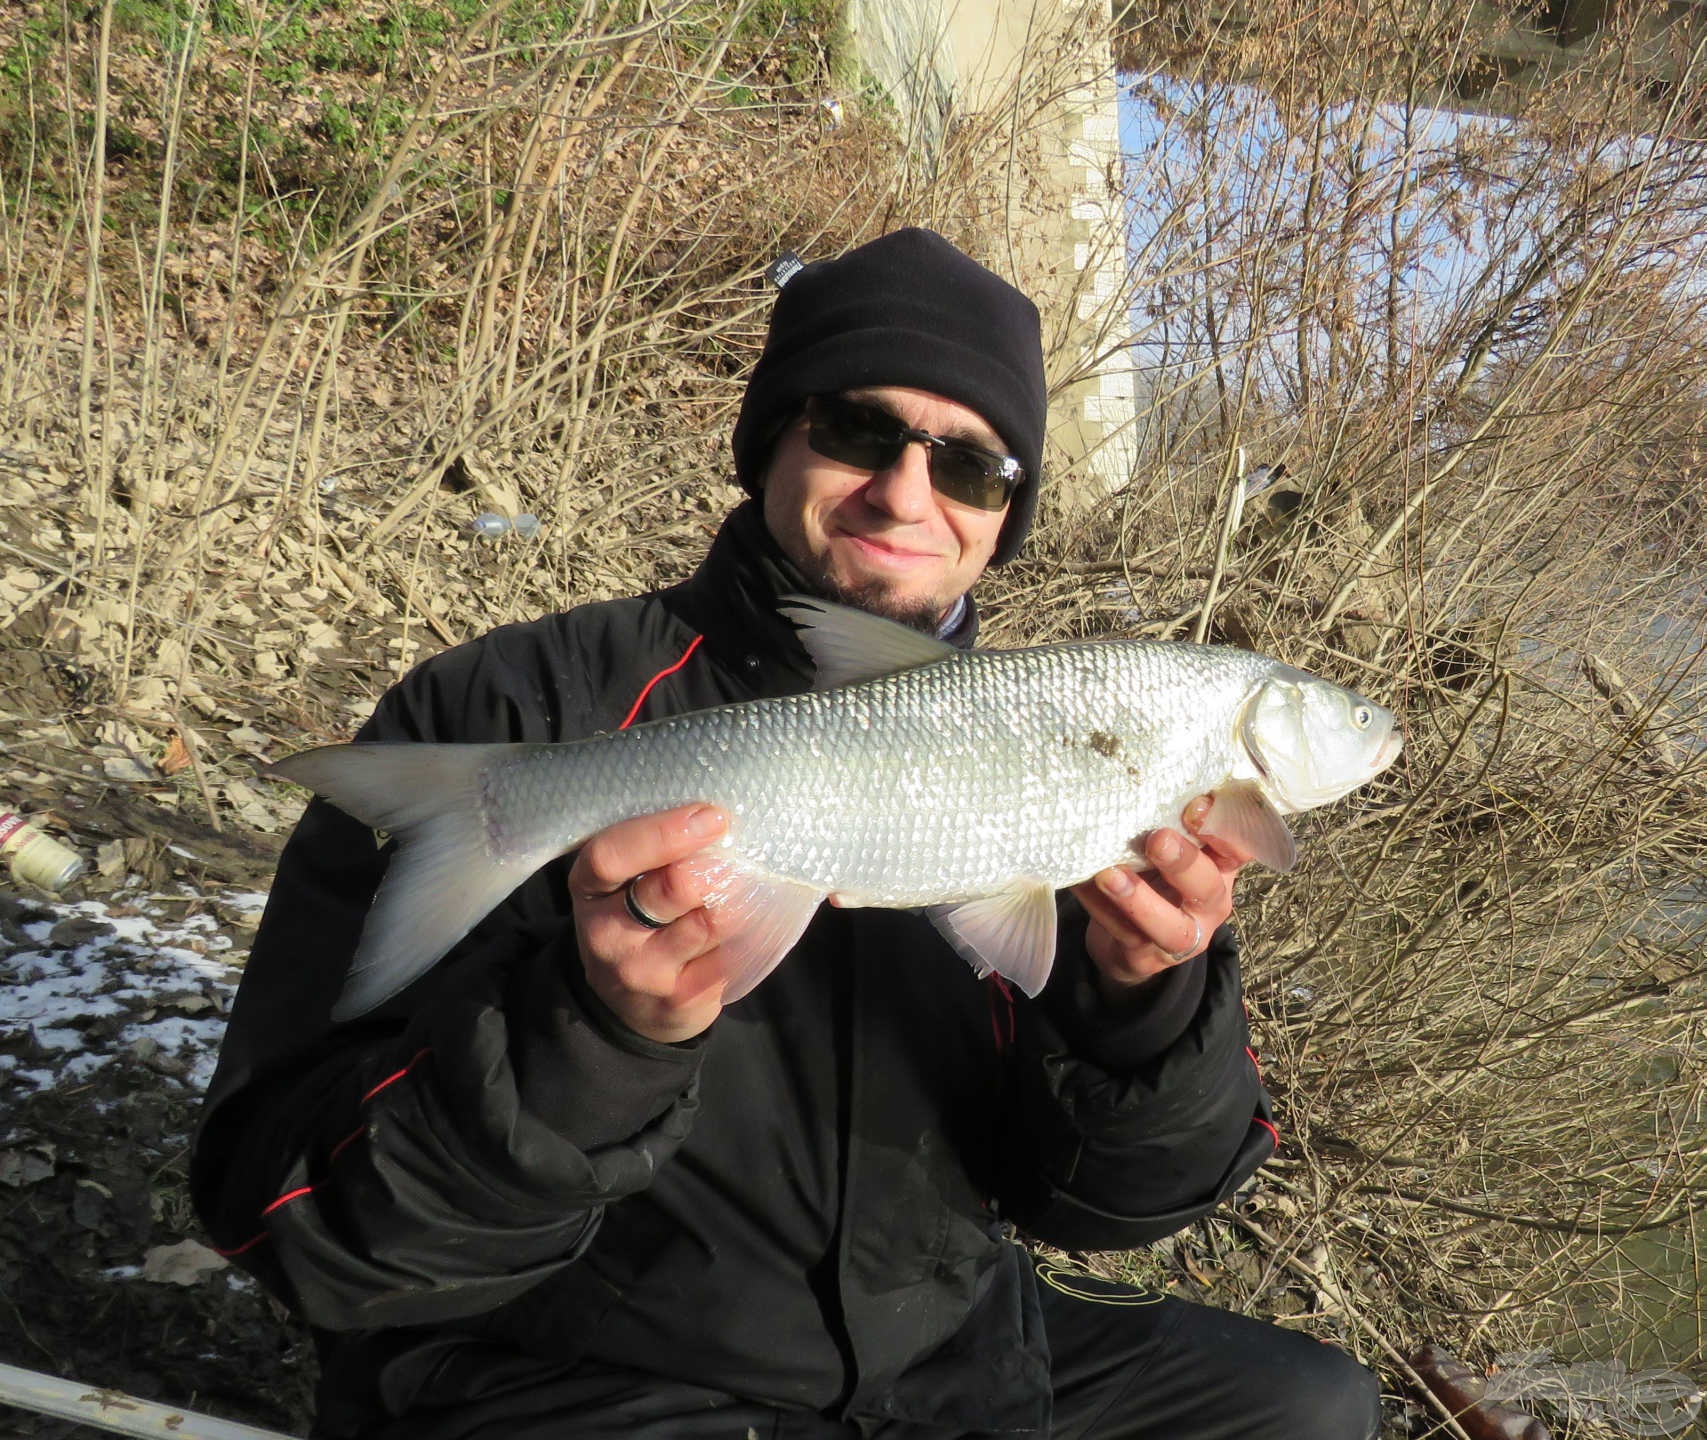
x=1390, y=748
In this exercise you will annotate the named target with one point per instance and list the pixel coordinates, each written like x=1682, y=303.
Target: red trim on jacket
x=248, y=1244
x=337, y=1150
x=646, y=689
x=999, y=986
x=288, y=1195
x=396, y=1075
x=349, y=1139
x=1256, y=1065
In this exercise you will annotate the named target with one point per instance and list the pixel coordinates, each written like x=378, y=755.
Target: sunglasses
x=870, y=438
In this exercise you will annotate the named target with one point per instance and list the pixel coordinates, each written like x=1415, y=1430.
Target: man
x=556, y=1188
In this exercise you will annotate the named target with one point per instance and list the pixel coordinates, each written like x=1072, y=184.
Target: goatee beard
x=874, y=598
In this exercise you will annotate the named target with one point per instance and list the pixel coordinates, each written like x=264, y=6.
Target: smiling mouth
x=895, y=553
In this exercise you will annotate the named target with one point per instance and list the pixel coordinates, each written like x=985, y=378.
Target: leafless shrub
x=1473, y=344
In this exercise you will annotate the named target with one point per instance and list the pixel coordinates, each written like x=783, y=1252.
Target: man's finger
x=1134, y=911
x=1225, y=854
x=617, y=854
x=1106, y=912
x=1199, y=877
x=673, y=891
x=655, y=965
x=646, y=911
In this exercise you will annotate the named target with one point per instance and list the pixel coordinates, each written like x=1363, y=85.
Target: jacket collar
x=731, y=600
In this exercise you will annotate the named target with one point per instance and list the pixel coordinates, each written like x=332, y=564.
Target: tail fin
x=443, y=878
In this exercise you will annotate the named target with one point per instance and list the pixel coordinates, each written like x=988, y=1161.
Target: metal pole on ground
x=115, y=1411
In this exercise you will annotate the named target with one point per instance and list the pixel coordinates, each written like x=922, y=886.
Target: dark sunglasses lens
x=969, y=476
x=854, y=435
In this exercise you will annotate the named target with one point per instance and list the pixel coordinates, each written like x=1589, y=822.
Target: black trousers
x=1128, y=1365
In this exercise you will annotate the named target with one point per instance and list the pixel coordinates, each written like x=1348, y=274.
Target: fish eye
x=1362, y=717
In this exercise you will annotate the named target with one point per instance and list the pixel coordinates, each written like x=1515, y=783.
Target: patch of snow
x=132, y=975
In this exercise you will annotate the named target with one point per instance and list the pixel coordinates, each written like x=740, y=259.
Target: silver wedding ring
x=638, y=912
x=1194, y=947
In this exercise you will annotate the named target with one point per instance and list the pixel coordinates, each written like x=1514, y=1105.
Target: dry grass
x=246, y=427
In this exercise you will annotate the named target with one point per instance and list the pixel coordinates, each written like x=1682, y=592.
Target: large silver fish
x=971, y=784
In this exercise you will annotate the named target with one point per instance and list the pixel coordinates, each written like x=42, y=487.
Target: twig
x=1330, y=1286
x=192, y=748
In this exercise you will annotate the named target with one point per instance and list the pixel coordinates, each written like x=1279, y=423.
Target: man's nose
x=903, y=489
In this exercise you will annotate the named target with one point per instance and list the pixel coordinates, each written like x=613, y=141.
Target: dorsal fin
x=848, y=646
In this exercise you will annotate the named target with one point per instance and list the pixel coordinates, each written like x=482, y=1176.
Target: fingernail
x=1165, y=848
x=703, y=824
x=1116, y=883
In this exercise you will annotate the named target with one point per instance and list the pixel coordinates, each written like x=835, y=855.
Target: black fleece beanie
x=907, y=309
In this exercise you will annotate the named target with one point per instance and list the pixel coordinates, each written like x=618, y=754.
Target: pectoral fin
x=766, y=916
x=1243, y=817
x=1012, y=933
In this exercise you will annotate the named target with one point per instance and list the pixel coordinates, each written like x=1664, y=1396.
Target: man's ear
x=768, y=442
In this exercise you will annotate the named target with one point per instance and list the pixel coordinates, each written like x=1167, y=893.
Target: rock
x=78, y=930
x=90, y=1204
x=109, y=858
x=186, y=1263
x=26, y=1164
x=126, y=770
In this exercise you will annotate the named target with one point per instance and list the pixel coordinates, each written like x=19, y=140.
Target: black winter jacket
x=811, y=1204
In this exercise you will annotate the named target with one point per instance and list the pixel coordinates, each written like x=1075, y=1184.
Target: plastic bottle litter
x=489, y=525
x=1645, y=1402
x=36, y=856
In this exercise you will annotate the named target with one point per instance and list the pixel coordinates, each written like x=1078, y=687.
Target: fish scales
x=933, y=784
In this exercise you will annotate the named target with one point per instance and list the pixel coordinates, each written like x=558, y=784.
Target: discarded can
x=35, y=856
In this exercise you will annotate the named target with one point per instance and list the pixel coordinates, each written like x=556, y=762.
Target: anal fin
x=1012, y=933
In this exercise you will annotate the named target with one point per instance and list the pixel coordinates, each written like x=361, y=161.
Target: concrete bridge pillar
x=1038, y=77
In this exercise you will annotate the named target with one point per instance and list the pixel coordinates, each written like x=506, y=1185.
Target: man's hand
x=1143, y=923
x=666, y=983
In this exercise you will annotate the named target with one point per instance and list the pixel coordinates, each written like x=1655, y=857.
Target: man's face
x=884, y=541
